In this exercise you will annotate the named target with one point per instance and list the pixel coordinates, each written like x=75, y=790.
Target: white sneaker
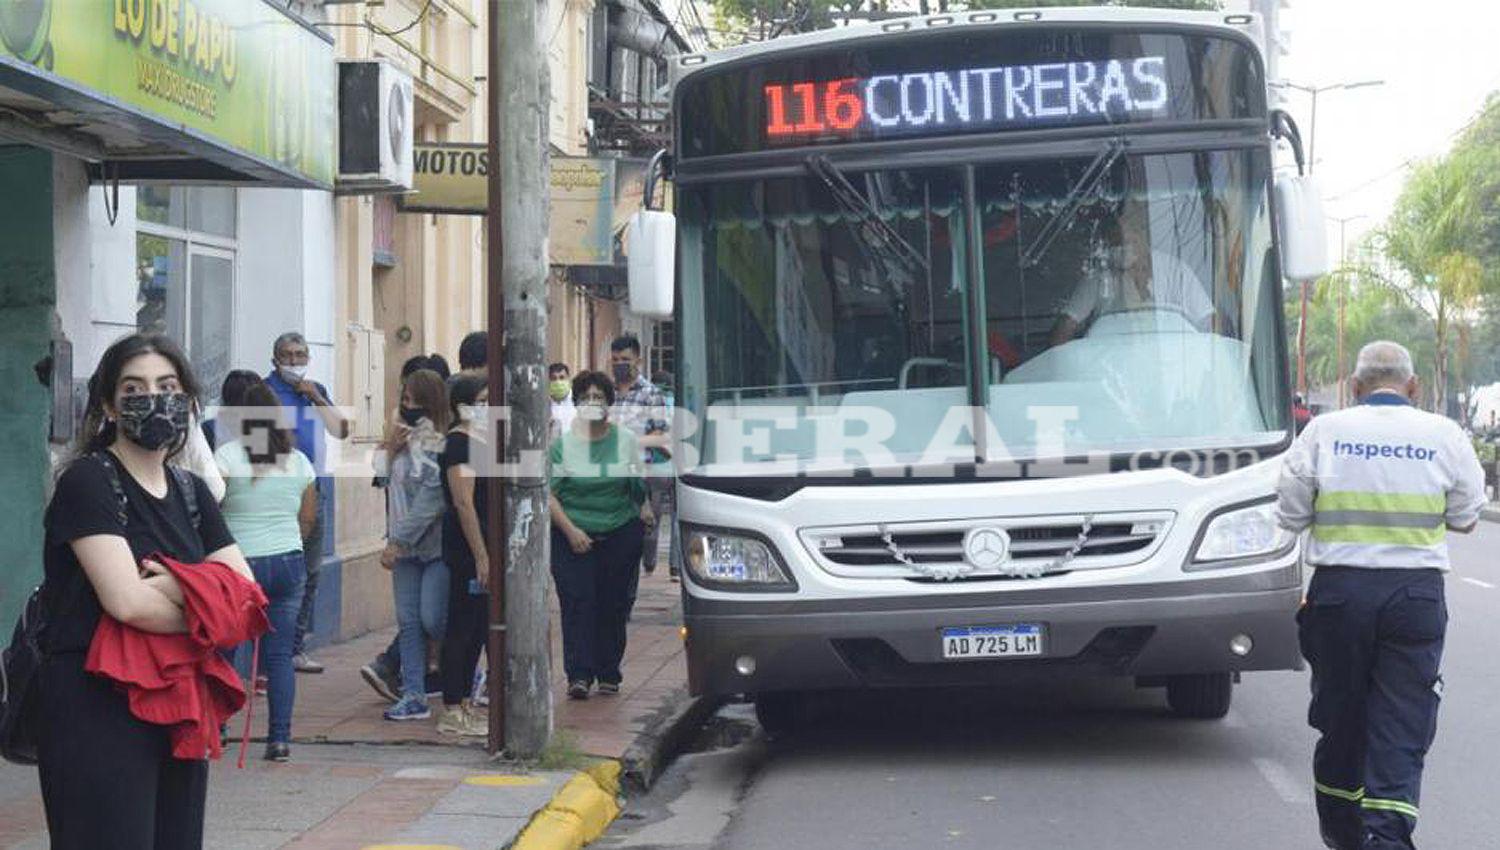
x=461, y=720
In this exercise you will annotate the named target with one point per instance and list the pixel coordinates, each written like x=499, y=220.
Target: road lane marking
x=1288, y=787
x=1477, y=583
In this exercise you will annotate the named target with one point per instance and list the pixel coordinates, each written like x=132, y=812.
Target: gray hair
x=1383, y=364
x=288, y=338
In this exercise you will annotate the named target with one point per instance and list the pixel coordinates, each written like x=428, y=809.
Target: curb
x=664, y=737
x=577, y=814
x=1490, y=513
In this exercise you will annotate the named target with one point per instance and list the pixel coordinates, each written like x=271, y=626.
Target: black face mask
x=622, y=372
x=154, y=421
x=412, y=415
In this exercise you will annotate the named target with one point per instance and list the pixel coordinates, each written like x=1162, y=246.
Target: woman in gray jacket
x=414, y=548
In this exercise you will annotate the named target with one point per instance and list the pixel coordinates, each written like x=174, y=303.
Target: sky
x=1438, y=58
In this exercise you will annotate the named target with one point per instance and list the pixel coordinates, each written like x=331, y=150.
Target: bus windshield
x=1129, y=302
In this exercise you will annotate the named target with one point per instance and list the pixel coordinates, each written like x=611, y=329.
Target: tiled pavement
x=357, y=780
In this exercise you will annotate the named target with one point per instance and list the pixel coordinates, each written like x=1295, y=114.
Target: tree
x=1430, y=238
x=762, y=19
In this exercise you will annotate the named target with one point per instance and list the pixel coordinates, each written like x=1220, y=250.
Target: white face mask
x=591, y=411
x=293, y=374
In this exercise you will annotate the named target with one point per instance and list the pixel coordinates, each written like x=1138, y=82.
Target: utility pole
x=1343, y=293
x=517, y=269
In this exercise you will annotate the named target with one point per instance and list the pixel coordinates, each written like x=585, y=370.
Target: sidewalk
x=357, y=781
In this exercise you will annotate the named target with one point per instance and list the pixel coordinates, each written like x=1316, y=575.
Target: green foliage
x=770, y=18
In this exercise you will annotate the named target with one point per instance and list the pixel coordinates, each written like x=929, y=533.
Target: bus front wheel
x=1200, y=696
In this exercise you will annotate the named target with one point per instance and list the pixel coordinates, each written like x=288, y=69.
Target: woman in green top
x=270, y=502
x=599, y=516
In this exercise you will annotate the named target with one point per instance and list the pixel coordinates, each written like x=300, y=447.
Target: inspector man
x=1379, y=485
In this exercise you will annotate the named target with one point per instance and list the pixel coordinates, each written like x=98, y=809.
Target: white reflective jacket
x=1379, y=484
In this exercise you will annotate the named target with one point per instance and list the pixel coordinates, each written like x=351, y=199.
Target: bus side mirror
x=652, y=241
x=1302, y=228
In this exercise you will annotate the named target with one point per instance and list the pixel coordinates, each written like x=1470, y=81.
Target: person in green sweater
x=599, y=517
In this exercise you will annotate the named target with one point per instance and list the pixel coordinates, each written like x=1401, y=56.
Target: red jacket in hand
x=182, y=681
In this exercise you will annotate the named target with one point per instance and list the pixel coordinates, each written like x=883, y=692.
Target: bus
x=982, y=372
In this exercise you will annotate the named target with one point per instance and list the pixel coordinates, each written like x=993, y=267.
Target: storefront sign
x=239, y=74
x=591, y=197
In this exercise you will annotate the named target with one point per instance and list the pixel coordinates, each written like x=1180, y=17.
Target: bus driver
x=1136, y=278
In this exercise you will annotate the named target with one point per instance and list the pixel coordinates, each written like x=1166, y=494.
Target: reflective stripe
x=1378, y=534
x=1350, y=796
x=1359, y=500
x=1400, y=807
x=1391, y=519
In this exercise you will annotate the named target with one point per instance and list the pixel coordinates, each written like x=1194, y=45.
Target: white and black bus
x=982, y=370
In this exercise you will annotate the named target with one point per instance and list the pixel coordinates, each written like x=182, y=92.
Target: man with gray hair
x=1379, y=486
x=315, y=416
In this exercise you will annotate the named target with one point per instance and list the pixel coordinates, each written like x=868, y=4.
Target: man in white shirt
x=560, y=390
x=1138, y=278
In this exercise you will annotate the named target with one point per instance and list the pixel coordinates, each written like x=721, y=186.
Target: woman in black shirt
x=109, y=779
x=465, y=530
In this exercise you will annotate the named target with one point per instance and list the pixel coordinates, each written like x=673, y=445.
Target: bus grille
x=1054, y=544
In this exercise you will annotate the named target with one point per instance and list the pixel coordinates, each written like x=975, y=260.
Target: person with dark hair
x=474, y=352
x=643, y=410
x=108, y=778
x=599, y=517
x=231, y=395
x=439, y=364
x=560, y=390
x=414, y=551
x=315, y=417
x=270, y=503
x=465, y=551
x=412, y=364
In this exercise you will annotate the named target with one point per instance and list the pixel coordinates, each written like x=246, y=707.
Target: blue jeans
x=282, y=578
x=421, y=589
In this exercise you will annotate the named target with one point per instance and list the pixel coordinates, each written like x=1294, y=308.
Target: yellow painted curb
x=578, y=813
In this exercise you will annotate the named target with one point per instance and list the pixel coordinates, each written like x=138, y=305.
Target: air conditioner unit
x=375, y=128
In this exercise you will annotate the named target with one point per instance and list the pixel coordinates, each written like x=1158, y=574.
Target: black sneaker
x=278, y=751
x=578, y=690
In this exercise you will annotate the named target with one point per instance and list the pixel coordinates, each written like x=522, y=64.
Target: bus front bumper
x=757, y=647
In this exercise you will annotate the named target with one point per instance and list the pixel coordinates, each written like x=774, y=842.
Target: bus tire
x=780, y=713
x=1200, y=696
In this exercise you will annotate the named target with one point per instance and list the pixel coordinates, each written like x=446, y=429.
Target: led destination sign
x=966, y=100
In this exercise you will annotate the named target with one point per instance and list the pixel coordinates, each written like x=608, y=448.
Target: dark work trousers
x=108, y=779
x=593, y=594
x=1374, y=640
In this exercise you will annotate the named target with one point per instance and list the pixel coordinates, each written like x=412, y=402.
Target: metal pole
x=1312, y=133
x=523, y=102
x=495, y=646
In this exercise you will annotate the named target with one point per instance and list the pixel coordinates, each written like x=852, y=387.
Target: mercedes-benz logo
x=987, y=547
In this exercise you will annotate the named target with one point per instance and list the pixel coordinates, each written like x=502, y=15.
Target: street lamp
x=1343, y=289
x=1312, y=147
x=1314, y=91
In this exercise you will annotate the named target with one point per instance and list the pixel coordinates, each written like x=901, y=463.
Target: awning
x=219, y=91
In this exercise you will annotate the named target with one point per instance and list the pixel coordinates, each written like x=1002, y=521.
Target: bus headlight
x=727, y=560
x=1241, y=532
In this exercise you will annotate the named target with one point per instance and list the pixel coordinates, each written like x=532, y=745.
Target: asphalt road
x=1085, y=765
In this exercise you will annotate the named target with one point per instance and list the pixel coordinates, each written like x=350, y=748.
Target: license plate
x=993, y=641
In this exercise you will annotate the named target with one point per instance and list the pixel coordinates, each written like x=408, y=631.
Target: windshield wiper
x=1087, y=184
x=877, y=232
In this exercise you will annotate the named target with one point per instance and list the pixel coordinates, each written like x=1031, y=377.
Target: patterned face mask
x=154, y=421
